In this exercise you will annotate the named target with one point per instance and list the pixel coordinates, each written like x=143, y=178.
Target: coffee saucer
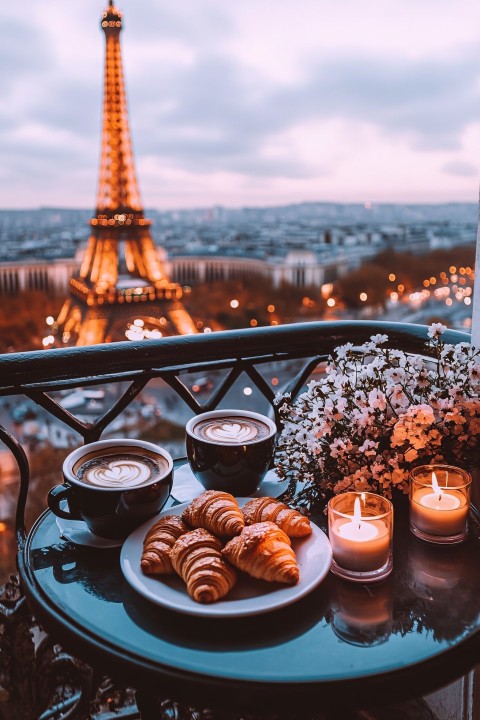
x=78, y=533
x=186, y=486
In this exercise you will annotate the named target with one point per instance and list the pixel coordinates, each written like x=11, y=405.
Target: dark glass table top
x=387, y=637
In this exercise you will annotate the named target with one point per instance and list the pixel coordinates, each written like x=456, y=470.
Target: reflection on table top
x=340, y=631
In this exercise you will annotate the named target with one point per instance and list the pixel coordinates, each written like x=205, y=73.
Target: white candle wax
x=439, y=514
x=440, y=501
x=361, y=546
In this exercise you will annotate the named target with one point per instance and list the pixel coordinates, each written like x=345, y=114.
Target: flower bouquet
x=376, y=413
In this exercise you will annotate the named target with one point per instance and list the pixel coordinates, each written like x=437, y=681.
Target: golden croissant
x=263, y=509
x=263, y=551
x=158, y=544
x=197, y=558
x=217, y=512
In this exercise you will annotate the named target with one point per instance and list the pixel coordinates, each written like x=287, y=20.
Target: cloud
x=212, y=116
x=196, y=25
x=460, y=168
x=203, y=100
x=219, y=114
x=23, y=51
x=432, y=102
x=76, y=106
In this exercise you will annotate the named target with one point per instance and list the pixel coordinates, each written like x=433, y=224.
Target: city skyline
x=247, y=105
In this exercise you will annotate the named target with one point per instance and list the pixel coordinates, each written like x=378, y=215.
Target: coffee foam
x=120, y=470
x=231, y=430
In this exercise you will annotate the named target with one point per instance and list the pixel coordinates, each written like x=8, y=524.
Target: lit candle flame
x=357, y=512
x=436, y=488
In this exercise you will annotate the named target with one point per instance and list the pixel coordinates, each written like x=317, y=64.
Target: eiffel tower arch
x=121, y=289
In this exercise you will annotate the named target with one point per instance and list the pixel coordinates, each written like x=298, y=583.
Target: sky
x=258, y=102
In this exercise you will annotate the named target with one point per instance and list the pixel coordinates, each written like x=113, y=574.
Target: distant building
x=52, y=277
x=301, y=268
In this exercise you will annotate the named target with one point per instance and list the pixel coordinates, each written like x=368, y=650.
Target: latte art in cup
x=231, y=430
x=113, y=485
x=120, y=471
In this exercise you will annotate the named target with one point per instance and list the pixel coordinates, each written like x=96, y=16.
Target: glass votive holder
x=360, y=529
x=440, y=503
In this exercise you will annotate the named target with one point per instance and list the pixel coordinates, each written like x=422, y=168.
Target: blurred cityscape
x=265, y=234
x=316, y=260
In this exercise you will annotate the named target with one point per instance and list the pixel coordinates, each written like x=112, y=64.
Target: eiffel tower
x=121, y=289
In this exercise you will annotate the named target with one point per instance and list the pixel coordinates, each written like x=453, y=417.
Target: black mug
x=234, y=450
x=104, y=499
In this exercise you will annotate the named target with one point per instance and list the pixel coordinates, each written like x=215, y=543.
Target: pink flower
x=377, y=411
x=376, y=399
x=398, y=397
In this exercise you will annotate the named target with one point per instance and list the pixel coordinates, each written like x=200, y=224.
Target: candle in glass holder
x=439, y=503
x=360, y=527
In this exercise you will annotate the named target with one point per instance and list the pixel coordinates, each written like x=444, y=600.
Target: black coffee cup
x=234, y=458
x=110, y=508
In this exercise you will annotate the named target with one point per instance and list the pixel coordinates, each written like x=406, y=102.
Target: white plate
x=248, y=597
x=186, y=486
x=78, y=533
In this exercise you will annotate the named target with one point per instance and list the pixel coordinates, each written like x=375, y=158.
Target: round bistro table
x=343, y=644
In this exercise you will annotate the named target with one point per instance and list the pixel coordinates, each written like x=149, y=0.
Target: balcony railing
x=37, y=374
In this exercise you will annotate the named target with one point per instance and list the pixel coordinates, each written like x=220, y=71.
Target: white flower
x=342, y=351
x=368, y=371
x=475, y=371
x=360, y=398
x=377, y=411
x=341, y=404
x=361, y=416
x=395, y=375
x=397, y=356
x=379, y=339
x=436, y=329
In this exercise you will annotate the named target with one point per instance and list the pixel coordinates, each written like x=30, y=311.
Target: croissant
x=263, y=551
x=293, y=523
x=197, y=558
x=217, y=512
x=158, y=544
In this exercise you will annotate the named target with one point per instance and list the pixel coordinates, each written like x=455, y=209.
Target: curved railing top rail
x=70, y=366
